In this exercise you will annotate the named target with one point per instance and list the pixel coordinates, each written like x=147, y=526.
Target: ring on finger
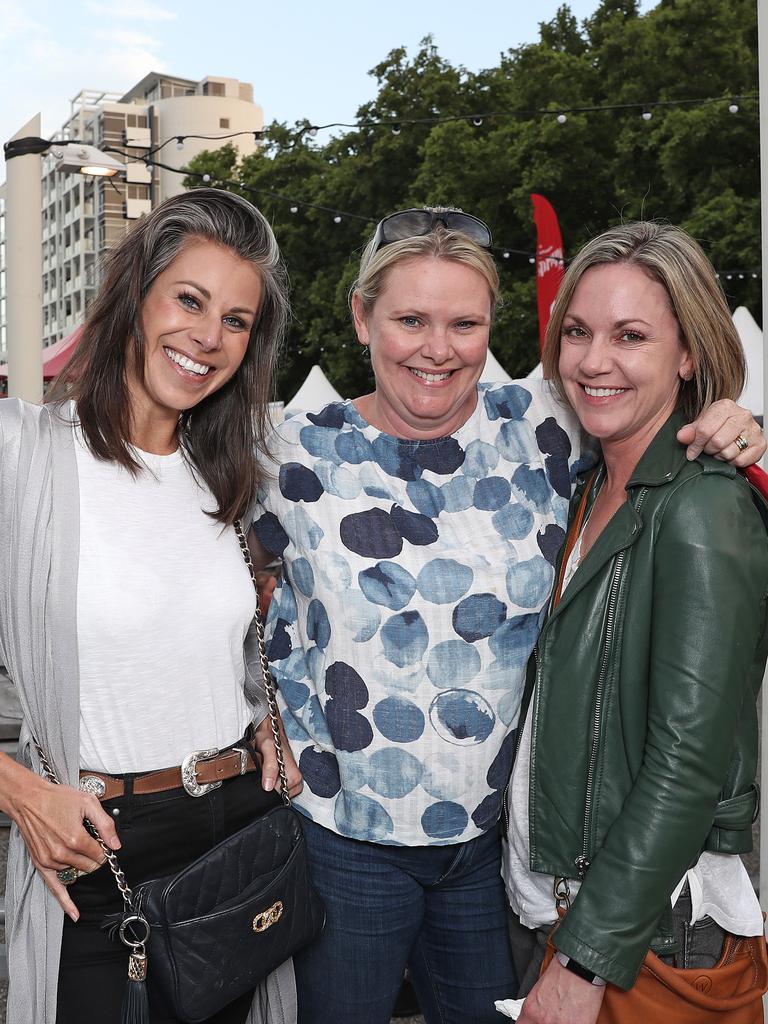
x=741, y=443
x=69, y=875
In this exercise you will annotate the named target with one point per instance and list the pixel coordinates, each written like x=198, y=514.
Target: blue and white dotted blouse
x=415, y=574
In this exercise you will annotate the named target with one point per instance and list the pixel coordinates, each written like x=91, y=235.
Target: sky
x=305, y=58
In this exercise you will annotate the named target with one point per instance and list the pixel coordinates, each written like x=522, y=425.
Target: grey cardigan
x=39, y=556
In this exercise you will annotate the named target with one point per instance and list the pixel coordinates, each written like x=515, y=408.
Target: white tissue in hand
x=510, y=1007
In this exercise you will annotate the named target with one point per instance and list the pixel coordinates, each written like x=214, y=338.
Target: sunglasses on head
x=413, y=223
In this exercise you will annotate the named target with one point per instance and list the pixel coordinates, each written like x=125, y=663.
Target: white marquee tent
x=493, y=370
x=752, y=341
x=314, y=393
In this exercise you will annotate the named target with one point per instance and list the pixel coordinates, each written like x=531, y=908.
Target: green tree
x=693, y=164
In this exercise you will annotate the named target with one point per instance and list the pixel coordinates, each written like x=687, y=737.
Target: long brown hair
x=223, y=434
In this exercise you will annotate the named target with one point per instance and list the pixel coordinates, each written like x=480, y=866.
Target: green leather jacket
x=644, y=738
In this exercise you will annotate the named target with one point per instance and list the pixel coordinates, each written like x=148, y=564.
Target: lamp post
x=24, y=246
x=24, y=270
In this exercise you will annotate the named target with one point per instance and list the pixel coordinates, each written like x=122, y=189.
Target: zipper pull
x=582, y=865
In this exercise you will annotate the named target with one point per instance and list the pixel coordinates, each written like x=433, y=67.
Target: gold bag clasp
x=269, y=917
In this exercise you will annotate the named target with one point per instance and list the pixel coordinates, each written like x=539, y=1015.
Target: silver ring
x=741, y=443
x=130, y=935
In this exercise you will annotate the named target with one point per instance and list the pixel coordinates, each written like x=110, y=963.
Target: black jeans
x=160, y=833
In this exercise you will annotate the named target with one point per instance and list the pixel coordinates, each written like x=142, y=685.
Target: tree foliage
x=695, y=164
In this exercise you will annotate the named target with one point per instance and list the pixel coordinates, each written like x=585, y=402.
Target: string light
x=647, y=115
x=396, y=129
x=479, y=117
x=340, y=215
x=180, y=142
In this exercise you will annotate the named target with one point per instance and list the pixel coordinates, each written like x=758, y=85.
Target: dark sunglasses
x=413, y=223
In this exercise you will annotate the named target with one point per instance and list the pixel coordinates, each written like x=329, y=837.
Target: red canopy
x=55, y=356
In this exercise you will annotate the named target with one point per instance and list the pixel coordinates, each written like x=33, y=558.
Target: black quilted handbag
x=218, y=927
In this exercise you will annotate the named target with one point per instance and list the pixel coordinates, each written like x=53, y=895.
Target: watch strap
x=576, y=968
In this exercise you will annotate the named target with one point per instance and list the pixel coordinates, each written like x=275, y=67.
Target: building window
x=213, y=89
x=223, y=122
x=112, y=124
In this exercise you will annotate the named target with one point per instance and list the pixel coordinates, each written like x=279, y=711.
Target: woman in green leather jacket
x=633, y=789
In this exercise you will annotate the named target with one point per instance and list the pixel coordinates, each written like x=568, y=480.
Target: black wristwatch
x=576, y=968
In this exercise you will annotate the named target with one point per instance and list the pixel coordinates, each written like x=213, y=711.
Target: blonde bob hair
x=440, y=243
x=670, y=256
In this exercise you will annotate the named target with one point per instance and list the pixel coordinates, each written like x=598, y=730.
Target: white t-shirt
x=164, y=602
x=719, y=883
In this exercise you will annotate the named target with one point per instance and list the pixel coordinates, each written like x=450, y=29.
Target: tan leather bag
x=731, y=992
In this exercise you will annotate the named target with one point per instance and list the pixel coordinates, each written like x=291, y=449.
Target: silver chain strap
x=125, y=890
x=269, y=683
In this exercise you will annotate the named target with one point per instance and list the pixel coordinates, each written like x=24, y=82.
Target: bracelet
x=576, y=968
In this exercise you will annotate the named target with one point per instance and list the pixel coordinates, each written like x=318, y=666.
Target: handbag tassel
x=135, y=1003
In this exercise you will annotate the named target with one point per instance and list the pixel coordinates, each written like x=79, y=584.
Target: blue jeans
x=440, y=910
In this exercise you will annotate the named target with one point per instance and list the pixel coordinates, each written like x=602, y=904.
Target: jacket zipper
x=582, y=861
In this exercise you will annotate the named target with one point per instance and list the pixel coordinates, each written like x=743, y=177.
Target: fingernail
x=73, y=916
x=269, y=784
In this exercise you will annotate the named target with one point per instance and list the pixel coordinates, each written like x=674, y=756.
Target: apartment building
x=84, y=216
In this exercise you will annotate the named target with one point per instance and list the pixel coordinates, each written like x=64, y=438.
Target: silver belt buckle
x=93, y=784
x=189, y=772
x=243, y=758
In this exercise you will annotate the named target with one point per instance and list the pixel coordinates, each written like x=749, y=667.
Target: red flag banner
x=549, y=259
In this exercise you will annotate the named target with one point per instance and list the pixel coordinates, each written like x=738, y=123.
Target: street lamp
x=24, y=245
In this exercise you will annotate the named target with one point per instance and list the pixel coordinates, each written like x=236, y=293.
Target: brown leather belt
x=200, y=772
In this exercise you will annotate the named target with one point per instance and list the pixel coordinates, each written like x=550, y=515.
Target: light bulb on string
x=294, y=209
x=312, y=130
x=337, y=219
x=562, y=118
x=206, y=178
x=729, y=277
x=531, y=259
x=647, y=114
x=741, y=277
x=477, y=121
x=179, y=142
x=396, y=129
x=733, y=108
x=754, y=276
x=506, y=255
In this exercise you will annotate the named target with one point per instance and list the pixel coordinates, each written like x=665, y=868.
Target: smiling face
x=621, y=358
x=196, y=321
x=428, y=339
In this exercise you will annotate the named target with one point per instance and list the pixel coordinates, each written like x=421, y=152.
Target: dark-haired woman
x=125, y=605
